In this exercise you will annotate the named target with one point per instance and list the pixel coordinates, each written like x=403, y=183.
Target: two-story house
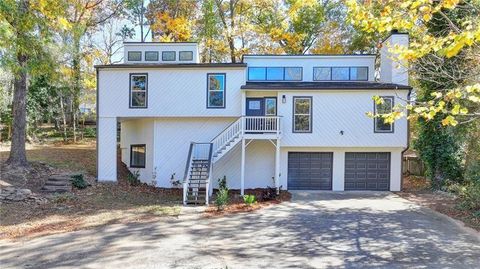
x=296, y=121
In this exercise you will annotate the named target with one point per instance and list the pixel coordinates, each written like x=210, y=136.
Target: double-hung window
x=137, y=155
x=138, y=90
x=216, y=90
x=383, y=108
x=302, y=114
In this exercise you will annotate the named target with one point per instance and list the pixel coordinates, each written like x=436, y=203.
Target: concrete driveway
x=315, y=230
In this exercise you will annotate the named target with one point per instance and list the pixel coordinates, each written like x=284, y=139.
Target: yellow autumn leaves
x=412, y=16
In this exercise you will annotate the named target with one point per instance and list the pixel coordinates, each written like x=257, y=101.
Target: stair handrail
x=227, y=135
x=187, y=173
x=209, y=169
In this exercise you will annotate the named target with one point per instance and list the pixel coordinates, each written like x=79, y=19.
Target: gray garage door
x=367, y=171
x=310, y=170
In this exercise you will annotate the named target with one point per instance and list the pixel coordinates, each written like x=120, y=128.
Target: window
x=302, y=114
x=340, y=73
x=168, y=55
x=270, y=106
x=384, y=108
x=137, y=156
x=257, y=73
x=293, y=73
x=134, y=56
x=216, y=90
x=275, y=73
x=254, y=104
x=322, y=73
x=358, y=73
x=151, y=55
x=185, y=55
x=138, y=90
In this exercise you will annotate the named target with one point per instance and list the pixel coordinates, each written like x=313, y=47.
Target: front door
x=255, y=107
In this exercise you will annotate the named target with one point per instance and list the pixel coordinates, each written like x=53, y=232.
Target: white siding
x=172, y=142
x=139, y=131
x=309, y=62
x=259, y=164
x=107, y=149
x=168, y=151
x=172, y=92
x=335, y=111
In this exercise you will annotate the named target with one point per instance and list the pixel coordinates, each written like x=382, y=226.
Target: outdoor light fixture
x=284, y=99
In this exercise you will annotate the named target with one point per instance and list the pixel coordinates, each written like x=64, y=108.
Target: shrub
x=222, y=194
x=270, y=193
x=222, y=183
x=222, y=199
x=469, y=195
x=133, y=178
x=89, y=132
x=249, y=199
x=79, y=182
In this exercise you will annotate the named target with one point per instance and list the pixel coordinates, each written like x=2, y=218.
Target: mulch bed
x=417, y=189
x=236, y=204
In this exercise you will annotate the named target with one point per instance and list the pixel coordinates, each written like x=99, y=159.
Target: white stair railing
x=227, y=136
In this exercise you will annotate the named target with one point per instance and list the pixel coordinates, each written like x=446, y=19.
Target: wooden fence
x=412, y=165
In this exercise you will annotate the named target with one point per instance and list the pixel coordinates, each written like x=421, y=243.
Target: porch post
x=242, y=169
x=277, y=166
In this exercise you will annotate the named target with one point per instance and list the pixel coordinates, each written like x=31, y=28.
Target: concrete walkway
x=315, y=230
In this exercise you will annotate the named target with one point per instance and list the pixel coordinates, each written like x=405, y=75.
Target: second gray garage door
x=310, y=170
x=367, y=171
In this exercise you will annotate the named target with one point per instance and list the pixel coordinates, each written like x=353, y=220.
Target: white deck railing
x=262, y=124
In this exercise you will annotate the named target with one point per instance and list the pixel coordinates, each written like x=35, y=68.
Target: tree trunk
x=64, y=119
x=76, y=82
x=18, y=155
x=231, y=44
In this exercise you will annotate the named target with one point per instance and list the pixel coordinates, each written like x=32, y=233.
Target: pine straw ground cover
x=97, y=205
x=417, y=189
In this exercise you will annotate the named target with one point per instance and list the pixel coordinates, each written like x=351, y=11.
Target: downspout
x=97, y=119
x=408, y=143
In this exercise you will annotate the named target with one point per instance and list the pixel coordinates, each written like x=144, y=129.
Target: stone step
x=59, y=178
x=56, y=188
x=57, y=183
x=196, y=202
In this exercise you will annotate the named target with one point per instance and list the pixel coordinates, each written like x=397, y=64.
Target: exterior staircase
x=201, y=156
x=198, y=181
